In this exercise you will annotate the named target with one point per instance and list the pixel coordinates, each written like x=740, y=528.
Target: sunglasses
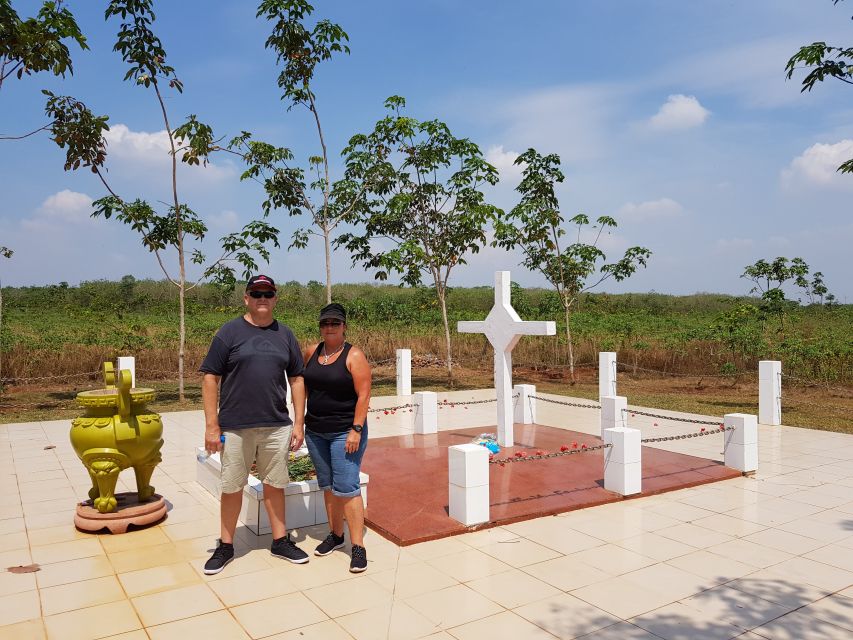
x=331, y=323
x=262, y=294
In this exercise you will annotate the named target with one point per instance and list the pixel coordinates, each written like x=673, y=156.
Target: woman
x=337, y=382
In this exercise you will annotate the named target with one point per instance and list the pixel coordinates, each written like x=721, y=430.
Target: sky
x=673, y=117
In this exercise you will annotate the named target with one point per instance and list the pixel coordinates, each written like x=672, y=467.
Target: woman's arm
x=359, y=368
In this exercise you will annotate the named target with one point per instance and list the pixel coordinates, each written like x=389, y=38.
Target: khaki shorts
x=267, y=447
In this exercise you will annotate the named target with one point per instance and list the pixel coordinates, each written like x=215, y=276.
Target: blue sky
x=673, y=117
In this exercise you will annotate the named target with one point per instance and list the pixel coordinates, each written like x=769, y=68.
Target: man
x=245, y=367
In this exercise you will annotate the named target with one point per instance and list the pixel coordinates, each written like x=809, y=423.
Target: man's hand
x=212, y=438
x=297, y=437
x=353, y=441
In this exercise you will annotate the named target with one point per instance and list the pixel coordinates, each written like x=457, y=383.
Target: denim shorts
x=337, y=470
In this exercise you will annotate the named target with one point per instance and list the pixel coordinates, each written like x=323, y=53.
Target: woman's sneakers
x=328, y=545
x=358, y=561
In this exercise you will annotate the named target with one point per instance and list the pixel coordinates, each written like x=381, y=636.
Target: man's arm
x=210, y=401
x=297, y=393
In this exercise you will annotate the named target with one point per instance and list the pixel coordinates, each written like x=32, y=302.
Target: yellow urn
x=117, y=431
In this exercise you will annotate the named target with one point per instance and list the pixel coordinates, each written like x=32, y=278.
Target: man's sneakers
x=285, y=549
x=358, y=561
x=223, y=554
x=328, y=545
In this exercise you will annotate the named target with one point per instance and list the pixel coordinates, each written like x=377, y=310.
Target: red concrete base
x=129, y=512
x=408, y=495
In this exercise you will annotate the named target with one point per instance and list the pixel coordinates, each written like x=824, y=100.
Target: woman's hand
x=353, y=441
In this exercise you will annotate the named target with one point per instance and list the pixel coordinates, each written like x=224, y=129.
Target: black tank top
x=331, y=393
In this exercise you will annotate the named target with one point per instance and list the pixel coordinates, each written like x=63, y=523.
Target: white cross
x=503, y=328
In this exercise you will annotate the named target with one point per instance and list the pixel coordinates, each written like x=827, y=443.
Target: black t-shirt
x=252, y=362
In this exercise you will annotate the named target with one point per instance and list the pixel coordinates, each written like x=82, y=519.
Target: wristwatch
x=357, y=428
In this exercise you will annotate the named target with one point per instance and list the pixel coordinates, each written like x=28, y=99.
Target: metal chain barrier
x=567, y=404
x=451, y=403
x=716, y=423
x=684, y=436
x=391, y=409
x=545, y=456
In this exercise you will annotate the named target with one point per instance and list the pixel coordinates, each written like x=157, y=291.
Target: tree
x=74, y=126
x=417, y=186
x=37, y=44
x=535, y=225
x=823, y=61
x=770, y=279
x=299, y=49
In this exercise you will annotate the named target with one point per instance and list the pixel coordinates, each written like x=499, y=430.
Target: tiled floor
x=754, y=558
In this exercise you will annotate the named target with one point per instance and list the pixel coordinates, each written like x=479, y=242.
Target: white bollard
x=426, y=412
x=404, y=372
x=623, y=462
x=741, y=444
x=468, y=475
x=606, y=374
x=525, y=403
x=770, y=392
x=614, y=413
x=127, y=362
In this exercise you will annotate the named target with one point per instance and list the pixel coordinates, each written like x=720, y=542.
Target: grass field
x=692, y=353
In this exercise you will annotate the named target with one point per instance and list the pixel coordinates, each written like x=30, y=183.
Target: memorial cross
x=503, y=328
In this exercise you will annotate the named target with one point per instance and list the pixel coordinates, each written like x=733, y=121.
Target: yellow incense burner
x=117, y=432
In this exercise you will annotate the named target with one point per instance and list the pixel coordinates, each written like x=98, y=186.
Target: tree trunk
x=328, y=248
x=183, y=334
x=443, y=302
x=571, y=347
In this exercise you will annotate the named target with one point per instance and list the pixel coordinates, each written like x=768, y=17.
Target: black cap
x=333, y=311
x=260, y=281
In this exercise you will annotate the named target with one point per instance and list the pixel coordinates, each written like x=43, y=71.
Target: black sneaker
x=223, y=555
x=328, y=545
x=358, y=561
x=285, y=549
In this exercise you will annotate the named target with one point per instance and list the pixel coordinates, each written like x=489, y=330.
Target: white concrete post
x=468, y=475
x=404, y=372
x=623, y=462
x=770, y=392
x=741, y=444
x=613, y=413
x=127, y=362
x=525, y=403
x=606, y=374
x=426, y=412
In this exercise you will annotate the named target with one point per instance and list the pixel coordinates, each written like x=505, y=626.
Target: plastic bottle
x=203, y=455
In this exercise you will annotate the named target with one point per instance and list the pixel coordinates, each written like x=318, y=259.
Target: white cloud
x=733, y=245
x=650, y=210
x=818, y=165
x=139, y=145
x=678, y=113
x=59, y=210
x=504, y=162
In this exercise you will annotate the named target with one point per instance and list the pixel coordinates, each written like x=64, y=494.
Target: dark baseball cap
x=260, y=282
x=333, y=311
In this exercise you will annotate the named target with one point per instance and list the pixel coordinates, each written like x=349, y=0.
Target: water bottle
x=203, y=455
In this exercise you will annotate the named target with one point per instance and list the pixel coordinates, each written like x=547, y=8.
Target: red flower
x=583, y=446
x=702, y=429
x=541, y=453
x=633, y=415
x=386, y=413
x=655, y=424
x=574, y=445
x=564, y=448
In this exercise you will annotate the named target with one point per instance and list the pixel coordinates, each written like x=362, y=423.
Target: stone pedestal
x=525, y=403
x=606, y=374
x=613, y=413
x=623, y=465
x=468, y=475
x=404, y=372
x=741, y=444
x=426, y=412
x=129, y=511
x=770, y=392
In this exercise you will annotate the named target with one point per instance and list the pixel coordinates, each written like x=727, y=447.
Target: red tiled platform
x=407, y=499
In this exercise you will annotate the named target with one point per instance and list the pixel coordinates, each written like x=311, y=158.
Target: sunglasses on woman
x=331, y=323
x=262, y=294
